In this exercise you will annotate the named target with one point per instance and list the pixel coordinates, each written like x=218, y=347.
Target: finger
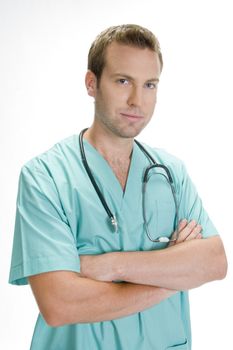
x=194, y=233
x=182, y=224
x=183, y=234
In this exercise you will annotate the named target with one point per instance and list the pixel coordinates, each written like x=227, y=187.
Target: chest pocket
x=183, y=346
x=162, y=218
x=159, y=205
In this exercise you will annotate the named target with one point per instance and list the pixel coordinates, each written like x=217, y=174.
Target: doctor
x=109, y=261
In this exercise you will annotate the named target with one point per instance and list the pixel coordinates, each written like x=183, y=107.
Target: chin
x=129, y=135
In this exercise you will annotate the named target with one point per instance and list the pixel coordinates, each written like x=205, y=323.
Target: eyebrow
x=131, y=78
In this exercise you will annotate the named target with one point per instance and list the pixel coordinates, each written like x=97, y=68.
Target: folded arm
x=181, y=267
x=64, y=297
x=188, y=264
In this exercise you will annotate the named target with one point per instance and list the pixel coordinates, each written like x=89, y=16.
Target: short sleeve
x=191, y=207
x=43, y=240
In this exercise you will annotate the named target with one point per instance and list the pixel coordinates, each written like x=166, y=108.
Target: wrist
x=116, y=266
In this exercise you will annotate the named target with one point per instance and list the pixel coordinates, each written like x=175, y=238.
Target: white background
x=43, y=53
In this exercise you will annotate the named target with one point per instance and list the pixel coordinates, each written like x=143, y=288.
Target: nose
x=135, y=97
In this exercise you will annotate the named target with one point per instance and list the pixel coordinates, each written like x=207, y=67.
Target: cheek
x=116, y=101
x=153, y=101
x=149, y=104
x=153, y=105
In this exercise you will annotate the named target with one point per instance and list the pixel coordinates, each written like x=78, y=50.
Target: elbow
x=52, y=318
x=216, y=266
x=223, y=267
x=53, y=321
x=61, y=315
x=56, y=298
x=54, y=315
x=220, y=265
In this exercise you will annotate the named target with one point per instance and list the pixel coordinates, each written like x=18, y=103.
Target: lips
x=132, y=116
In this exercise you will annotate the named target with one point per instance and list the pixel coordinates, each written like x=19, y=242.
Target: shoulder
x=57, y=156
x=164, y=157
x=175, y=165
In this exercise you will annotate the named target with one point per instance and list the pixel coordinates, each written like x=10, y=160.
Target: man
x=99, y=238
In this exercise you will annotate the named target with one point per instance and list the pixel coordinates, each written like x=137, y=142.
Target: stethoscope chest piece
x=113, y=223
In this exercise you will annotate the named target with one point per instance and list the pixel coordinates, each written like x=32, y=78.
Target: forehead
x=132, y=60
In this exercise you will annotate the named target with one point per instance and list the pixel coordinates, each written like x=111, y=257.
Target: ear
x=91, y=83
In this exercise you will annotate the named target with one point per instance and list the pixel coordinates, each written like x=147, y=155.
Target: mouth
x=132, y=117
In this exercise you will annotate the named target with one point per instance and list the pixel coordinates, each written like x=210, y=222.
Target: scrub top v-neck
x=60, y=217
x=107, y=177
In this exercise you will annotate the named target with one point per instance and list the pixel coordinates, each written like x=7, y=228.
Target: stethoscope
x=146, y=176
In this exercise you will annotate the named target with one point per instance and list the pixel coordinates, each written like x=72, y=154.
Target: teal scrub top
x=60, y=217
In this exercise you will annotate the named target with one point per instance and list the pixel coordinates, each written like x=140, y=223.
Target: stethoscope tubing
x=153, y=164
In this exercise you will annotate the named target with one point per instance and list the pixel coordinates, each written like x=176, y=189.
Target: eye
x=123, y=81
x=151, y=85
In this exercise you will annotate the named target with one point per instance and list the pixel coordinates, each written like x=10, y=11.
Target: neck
x=116, y=151
x=110, y=146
